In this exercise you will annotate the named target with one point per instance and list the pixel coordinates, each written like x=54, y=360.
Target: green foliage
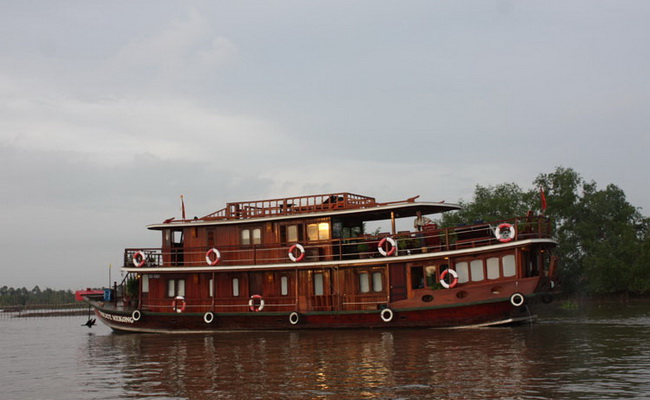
x=132, y=287
x=491, y=204
x=604, y=246
x=22, y=297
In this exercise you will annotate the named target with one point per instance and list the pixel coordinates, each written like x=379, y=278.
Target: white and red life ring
x=179, y=304
x=391, y=248
x=139, y=258
x=505, y=232
x=256, y=303
x=301, y=252
x=213, y=252
x=443, y=275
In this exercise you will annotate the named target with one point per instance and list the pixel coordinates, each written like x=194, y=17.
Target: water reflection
x=576, y=357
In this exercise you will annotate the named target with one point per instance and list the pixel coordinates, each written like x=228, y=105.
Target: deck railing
x=430, y=239
x=291, y=206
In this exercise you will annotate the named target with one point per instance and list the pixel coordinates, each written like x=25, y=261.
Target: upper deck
x=301, y=207
x=292, y=206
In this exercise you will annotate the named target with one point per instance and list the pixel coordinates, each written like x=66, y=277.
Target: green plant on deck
x=132, y=287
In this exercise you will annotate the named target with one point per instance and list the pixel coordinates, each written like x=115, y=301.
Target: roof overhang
x=377, y=213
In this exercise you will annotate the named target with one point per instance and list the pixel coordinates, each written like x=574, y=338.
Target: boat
x=308, y=262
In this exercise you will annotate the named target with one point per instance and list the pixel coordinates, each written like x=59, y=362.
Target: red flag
x=541, y=194
x=183, y=206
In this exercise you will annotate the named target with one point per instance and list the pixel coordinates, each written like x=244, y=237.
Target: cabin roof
x=312, y=206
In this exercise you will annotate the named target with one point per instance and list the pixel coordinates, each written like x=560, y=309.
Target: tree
x=490, y=204
x=604, y=246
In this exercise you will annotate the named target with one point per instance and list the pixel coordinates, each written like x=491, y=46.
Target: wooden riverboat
x=307, y=262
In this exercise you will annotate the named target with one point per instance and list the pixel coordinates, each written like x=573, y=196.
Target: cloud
x=187, y=53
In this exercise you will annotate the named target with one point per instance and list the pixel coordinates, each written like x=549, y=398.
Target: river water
x=597, y=352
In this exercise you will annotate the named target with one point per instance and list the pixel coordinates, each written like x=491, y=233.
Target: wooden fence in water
x=44, y=310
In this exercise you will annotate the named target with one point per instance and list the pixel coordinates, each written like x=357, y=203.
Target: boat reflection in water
x=324, y=364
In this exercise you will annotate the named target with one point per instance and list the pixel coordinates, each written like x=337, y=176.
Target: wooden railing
x=367, y=246
x=219, y=304
x=291, y=206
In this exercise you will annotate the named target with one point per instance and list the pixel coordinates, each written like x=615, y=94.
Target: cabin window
x=377, y=281
x=145, y=283
x=175, y=287
x=319, y=288
x=319, y=231
x=284, y=285
x=493, y=268
x=371, y=280
x=210, y=237
x=509, y=267
x=177, y=237
x=364, y=282
x=476, y=268
x=430, y=274
x=417, y=277
x=245, y=237
x=235, y=287
x=211, y=289
x=289, y=233
x=251, y=236
x=462, y=269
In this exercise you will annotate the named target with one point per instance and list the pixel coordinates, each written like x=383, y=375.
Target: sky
x=110, y=110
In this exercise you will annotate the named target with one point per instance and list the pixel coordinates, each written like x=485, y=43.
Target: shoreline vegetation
x=22, y=302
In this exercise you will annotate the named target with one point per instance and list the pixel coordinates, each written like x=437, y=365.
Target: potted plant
x=131, y=290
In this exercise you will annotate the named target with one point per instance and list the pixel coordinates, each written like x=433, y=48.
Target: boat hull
x=495, y=312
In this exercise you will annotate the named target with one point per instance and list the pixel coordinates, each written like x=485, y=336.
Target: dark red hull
x=477, y=314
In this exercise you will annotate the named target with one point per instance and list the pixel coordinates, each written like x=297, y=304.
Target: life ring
x=208, y=317
x=517, y=299
x=443, y=275
x=136, y=315
x=504, y=237
x=256, y=307
x=301, y=251
x=139, y=258
x=179, y=304
x=294, y=318
x=210, y=253
x=391, y=250
x=386, y=315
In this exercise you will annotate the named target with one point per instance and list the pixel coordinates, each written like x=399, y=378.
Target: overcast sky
x=110, y=110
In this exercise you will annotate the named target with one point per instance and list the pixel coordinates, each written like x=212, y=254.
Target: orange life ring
x=502, y=236
x=443, y=275
x=208, y=256
x=391, y=250
x=179, y=304
x=256, y=307
x=139, y=258
x=301, y=251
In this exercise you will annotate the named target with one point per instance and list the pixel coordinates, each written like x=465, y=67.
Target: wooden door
x=397, y=282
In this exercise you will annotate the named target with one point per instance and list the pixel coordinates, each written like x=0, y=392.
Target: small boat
x=307, y=262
